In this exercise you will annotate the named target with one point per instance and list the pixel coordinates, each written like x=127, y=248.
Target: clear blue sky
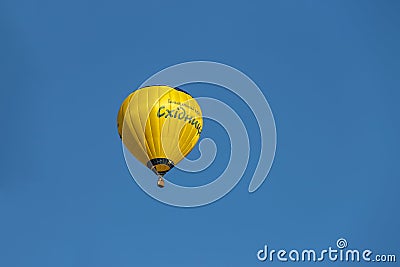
x=329, y=69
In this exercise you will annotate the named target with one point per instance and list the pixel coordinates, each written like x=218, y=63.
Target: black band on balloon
x=183, y=91
x=153, y=162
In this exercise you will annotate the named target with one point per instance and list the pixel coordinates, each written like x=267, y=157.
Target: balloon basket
x=160, y=182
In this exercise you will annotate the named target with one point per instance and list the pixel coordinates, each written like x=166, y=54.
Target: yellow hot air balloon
x=159, y=125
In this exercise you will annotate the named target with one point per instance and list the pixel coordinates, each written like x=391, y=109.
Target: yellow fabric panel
x=132, y=131
x=121, y=113
x=159, y=122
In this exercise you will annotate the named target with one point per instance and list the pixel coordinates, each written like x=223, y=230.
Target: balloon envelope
x=159, y=125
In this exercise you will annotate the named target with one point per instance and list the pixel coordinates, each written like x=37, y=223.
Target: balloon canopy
x=159, y=125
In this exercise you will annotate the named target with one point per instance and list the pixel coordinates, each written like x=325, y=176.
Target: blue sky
x=329, y=69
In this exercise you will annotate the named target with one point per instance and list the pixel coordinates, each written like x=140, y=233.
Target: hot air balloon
x=159, y=125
